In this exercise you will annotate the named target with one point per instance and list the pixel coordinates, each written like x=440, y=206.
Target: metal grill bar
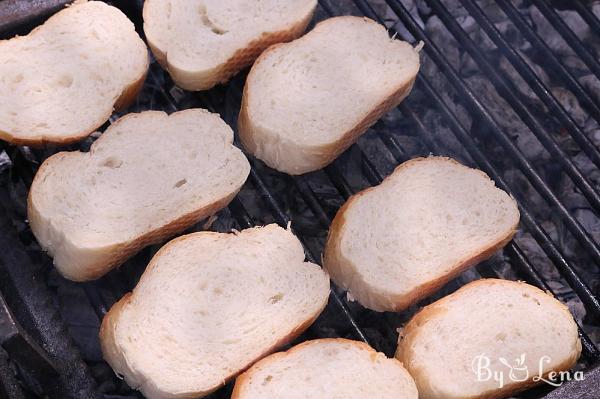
x=534, y=178
x=567, y=271
x=9, y=384
x=240, y=213
x=309, y=196
x=40, y=314
x=98, y=304
x=311, y=257
x=587, y=15
x=568, y=35
x=315, y=205
x=533, y=276
x=525, y=266
x=15, y=13
x=585, y=293
x=26, y=173
x=425, y=134
x=100, y=307
x=334, y=174
x=411, y=114
x=517, y=257
x=553, y=62
x=395, y=149
x=589, y=349
x=508, y=90
x=536, y=84
x=279, y=215
x=283, y=220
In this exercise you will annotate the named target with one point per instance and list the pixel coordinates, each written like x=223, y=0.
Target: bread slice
x=204, y=43
x=305, y=102
x=327, y=369
x=208, y=306
x=517, y=327
x=147, y=178
x=63, y=80
x=432, y=218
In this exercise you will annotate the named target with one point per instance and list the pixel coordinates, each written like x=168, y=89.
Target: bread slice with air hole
x=204, y=43
x=148, y=177
x=306, y=101
x=326, y=369
x=432, y=218
x=516, y=327
x=63, y=80
x=208, y=306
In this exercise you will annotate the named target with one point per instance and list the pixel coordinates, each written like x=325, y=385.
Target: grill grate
x=585, y=293
x=310, y=201
x=569, y=36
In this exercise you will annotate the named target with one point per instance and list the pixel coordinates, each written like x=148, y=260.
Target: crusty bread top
x=208, y=306
x=194, y=38
x=61, y=82
x=144, y=172
x=503, y=321
x=428, y=219
x=315, y=90
x=326, y=369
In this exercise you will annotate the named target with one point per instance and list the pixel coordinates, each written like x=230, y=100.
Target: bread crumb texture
x=61, y=81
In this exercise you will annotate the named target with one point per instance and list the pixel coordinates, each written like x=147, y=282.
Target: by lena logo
x=517, y=371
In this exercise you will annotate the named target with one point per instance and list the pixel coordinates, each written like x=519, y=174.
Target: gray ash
x=159, y=93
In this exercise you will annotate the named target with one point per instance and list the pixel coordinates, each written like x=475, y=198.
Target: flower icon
x=518, y=371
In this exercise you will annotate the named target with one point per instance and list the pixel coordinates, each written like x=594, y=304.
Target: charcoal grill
x=509, y=87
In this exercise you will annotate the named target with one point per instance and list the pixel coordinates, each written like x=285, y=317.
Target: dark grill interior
x=509, y=87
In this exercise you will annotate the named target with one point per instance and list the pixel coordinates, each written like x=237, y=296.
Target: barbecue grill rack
x=444, y=115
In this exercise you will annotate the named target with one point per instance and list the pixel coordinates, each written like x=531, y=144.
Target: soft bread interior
x=427, y=220
x=146, y=170
x=208, y=306
x=194, y=39
x=61, y=81
x=302, y=98
x=319, y=86
x=503, y=321
x=326, y=368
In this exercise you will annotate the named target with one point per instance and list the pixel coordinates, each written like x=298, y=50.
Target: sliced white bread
x=518, y=328
x=306, y=101
x=63, y=80
x=204, y=43
x=208, y=306
x=148, y=177
x=432, y=218
x=326, y=369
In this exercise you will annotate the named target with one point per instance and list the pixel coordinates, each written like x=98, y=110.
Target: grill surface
x=446, y=114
